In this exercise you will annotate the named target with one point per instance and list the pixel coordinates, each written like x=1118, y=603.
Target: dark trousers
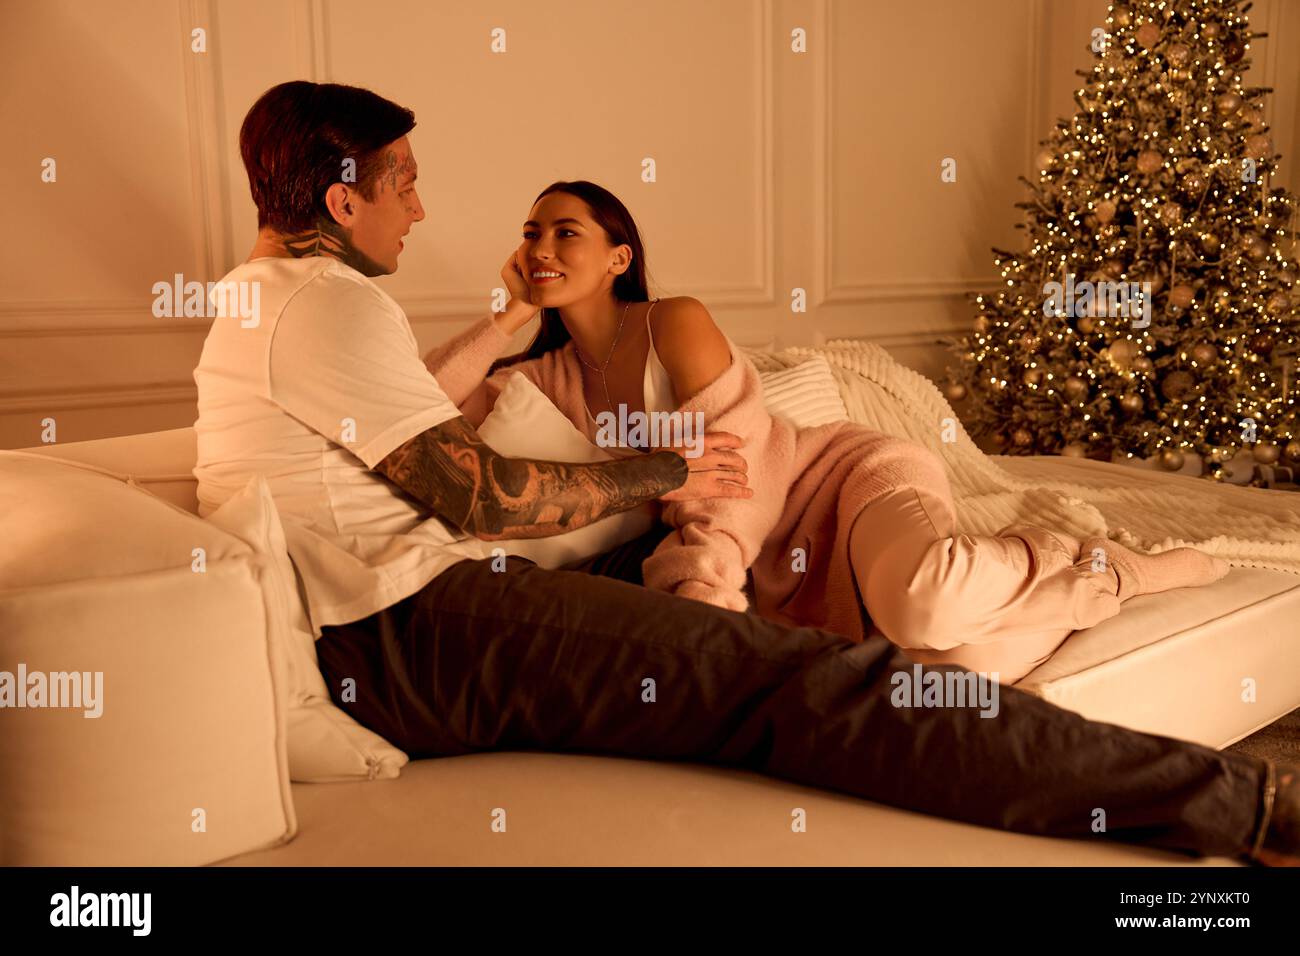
x=586, y=660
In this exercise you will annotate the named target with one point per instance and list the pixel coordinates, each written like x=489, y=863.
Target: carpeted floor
x=1279, y=741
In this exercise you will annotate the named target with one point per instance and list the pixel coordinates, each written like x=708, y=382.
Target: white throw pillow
x=807, y=394
x=524, y=423
x=169, y=747
x=325, y=743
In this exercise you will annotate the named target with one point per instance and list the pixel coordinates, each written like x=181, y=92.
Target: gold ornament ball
x=998, y=440
x=1228, y=103
x=1258, y=250
x=1286, y=277
x=1277, y=303
x=1171, y=459
x=1113, y=268
x=1211, y=30
x=955, y=391
x=1033, y=376
x=1085, y=324
x=1149, y=160
x=1022, y=437
x=1148, y=35
x=1181, y=296
x=1044, y=160
x=1156, y=280
x=1076, y=387
x=1171, y=214
x=1293, y=450
x=981, y=324
x=1210, y=242
x=1178, y=54
x=1105, y=211
x=1262, y=343
x=1221, y=297
x=1131, y=403
x=1266, y=454
x=1123, y=352
x=1074, y=450
x=1233, y=49
x=1176, y=385
x=1142, y=364
x=1204, y=353
x=1194, y=183
x=1260, y=145
x=1122, y=16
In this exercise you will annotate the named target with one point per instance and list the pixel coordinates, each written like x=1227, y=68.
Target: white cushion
x=524, y=423
x=325, y=743
x=98, y=577
x=807, y=394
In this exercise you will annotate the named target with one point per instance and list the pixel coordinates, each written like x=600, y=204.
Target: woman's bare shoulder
x=692, y=348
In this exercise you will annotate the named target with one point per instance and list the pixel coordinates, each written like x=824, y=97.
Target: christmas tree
x=1154, y=310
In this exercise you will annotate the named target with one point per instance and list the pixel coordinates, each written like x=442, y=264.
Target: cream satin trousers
x=998, y=603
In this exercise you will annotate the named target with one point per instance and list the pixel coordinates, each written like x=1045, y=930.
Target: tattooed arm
x=453, y=471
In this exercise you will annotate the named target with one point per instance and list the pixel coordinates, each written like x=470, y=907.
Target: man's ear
x=342, y=203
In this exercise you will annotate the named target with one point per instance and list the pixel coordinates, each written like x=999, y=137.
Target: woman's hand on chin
x=516, y=284
x=519, y=310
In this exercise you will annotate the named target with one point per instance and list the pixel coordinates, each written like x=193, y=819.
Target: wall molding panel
x=806, y=222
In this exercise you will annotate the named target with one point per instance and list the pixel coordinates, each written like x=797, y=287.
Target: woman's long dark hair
x=612, y=216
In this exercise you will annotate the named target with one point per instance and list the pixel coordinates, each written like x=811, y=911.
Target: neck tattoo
x=332, y=240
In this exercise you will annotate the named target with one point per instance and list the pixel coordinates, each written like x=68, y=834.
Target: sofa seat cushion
x=1211, y=664
x=589, y=810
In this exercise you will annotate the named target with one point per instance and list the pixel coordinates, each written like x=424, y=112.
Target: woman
x=842, y=519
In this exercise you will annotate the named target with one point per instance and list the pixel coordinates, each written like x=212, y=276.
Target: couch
x=1158, y=666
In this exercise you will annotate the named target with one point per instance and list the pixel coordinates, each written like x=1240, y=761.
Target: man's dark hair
x=297, y=135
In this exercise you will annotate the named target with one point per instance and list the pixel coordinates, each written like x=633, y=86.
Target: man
x=390, y=499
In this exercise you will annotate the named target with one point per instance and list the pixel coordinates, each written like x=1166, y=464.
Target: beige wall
x=775, y=169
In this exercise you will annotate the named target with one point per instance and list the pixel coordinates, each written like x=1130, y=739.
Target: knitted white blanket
x=1146, y=511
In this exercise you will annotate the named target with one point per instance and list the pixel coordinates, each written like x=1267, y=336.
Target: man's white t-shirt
x=326, y=384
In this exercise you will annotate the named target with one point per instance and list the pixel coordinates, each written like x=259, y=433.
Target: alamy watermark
x=1122, y=299
x=950, y=688
x=214, y=300
x=75, y=908
x=657, y=429
x=83, y=689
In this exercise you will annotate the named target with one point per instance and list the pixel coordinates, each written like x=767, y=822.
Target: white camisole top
x=656, y=388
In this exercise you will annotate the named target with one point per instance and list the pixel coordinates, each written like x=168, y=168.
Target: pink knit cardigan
x=809, y=487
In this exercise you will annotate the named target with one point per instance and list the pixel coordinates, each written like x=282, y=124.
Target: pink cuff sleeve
x=461, y=363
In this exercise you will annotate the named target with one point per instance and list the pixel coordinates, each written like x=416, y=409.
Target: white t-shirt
x=326, y=384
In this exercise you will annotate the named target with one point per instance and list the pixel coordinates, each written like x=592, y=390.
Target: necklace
x=601, y=370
